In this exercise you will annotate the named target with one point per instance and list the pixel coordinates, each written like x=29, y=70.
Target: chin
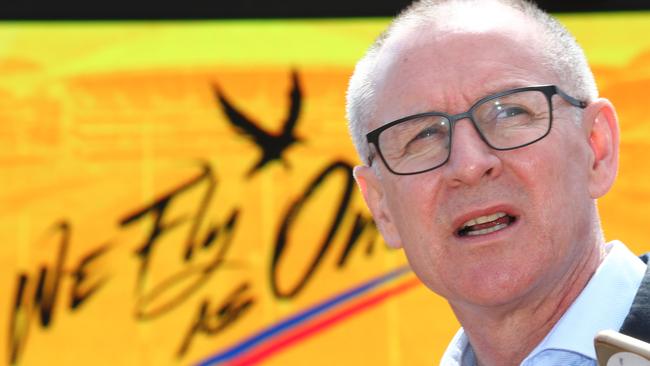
x=492, y=289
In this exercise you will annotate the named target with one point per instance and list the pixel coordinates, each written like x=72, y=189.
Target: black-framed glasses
x=505, y=121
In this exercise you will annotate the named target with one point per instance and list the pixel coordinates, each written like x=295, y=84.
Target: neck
x=506, y=334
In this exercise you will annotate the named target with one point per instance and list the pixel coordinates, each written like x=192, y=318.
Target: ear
x=373, y=193
x=602, y=126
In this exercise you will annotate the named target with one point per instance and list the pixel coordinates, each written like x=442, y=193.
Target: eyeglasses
x=505, y=121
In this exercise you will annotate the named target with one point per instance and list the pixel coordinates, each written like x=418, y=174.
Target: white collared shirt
x=603, y=304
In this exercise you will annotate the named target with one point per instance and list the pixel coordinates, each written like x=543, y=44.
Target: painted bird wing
x=295, y=100
x=244, y=124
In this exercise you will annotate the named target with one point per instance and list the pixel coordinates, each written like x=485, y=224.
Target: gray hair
x=561, y=54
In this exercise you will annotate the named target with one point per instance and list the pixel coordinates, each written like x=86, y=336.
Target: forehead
x=473, y=52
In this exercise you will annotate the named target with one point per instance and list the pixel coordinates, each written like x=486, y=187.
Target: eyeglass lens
x=504, y=122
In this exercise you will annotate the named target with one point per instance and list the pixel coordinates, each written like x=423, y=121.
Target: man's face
x=543, y=186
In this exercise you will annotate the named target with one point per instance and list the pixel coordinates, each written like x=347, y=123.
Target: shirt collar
x=603, y=304
x=594, y=310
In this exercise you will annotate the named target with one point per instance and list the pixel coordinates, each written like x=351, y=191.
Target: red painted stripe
x=300, y=334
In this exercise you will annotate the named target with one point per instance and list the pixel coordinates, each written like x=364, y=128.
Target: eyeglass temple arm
x=573, y=101
x=371, y=154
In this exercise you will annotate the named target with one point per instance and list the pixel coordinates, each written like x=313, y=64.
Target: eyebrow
x=492, y=86
x=497, y=88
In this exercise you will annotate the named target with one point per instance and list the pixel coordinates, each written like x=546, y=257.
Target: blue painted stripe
x=295, y=320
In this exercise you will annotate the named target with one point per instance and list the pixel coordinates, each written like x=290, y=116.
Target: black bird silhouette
x=272, y=144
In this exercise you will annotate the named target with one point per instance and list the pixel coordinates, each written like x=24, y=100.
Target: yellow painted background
x=100, y=119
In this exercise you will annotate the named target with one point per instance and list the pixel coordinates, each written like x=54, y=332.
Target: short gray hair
x=561, y=53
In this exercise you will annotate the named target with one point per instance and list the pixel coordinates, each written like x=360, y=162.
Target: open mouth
x=486, y=224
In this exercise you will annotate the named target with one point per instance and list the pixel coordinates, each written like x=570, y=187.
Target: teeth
x=486, y=231
x=484, y=219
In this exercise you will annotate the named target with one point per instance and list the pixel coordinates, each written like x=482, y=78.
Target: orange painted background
x=136, y=229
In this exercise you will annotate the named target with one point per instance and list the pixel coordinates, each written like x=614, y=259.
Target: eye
x=427, y=132
x=503, y=112
x=425, y=140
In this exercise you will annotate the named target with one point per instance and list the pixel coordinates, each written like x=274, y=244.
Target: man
x=485, y=147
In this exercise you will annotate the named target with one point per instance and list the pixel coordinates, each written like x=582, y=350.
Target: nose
x=471, y=160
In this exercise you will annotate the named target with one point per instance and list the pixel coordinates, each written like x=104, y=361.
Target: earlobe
x=374, y=195
x=604, y=142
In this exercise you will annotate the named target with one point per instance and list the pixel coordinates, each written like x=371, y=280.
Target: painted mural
x=180, y=193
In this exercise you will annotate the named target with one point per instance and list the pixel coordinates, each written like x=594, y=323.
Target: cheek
x=556, y=168
x=419, y=225
x=557, y=175
x=412, y=201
